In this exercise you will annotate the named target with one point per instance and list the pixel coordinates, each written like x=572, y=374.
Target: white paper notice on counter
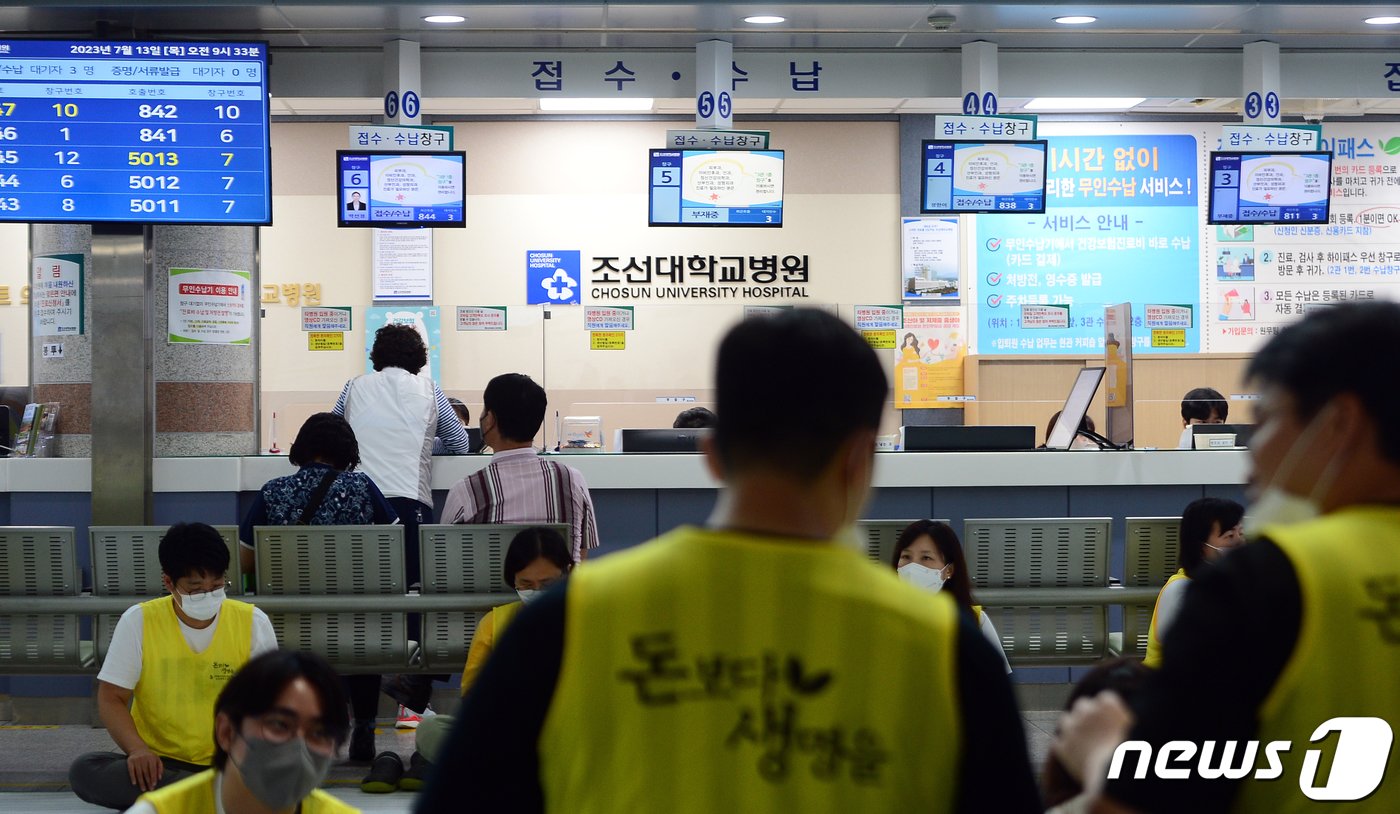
x=403, y=264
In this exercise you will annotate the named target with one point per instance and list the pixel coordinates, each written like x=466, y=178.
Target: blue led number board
x=975, y=176
x=716, y=188
x=1263, y=188
x=134, y=132
x=388, y=190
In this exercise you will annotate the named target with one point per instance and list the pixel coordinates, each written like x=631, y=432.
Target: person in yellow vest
x=929, y=555
x=1210, y=527
x=168, y=661
x=760, y=663
x=277, y=727
x=1288, y=647
x=537, y=558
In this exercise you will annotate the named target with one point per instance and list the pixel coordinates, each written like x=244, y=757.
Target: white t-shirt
x=990, y=633
x=122, y=667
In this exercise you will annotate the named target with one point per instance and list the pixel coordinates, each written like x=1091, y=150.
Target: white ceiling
x=827, y=26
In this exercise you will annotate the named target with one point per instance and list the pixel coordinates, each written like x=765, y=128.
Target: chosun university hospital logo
x=559, y=286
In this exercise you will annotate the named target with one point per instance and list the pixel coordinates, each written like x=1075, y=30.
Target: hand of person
x=144, y=768
x=1088, y=735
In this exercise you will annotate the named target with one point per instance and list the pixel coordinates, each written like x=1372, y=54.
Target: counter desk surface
x=687, y=471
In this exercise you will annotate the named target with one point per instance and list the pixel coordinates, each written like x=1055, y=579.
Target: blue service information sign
x=716, y=188
x=143, y=132
x=553, y=277
x=1121, y=224
x=988, y=177
x=1270, y=187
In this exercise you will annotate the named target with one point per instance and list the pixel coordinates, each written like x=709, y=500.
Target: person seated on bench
x=929, y=555
x=277, y=727
x=326, y=491
x=1210, y=527
x=536, y=559
x=169, y=660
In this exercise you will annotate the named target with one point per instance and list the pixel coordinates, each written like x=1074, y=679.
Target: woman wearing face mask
x=277, y=726
x=929, y=555
x=537, y=558
x=1209, y=527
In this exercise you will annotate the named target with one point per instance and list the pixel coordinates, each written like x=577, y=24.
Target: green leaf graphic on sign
x=1391, y=146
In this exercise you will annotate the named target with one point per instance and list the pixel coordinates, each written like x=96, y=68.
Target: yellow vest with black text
x=195, y=795
x=713, y=671
x=174, y=698
x=1347, y=659
x=1154, y=644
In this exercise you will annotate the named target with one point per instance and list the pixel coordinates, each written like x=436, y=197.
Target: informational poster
x=1122, y=224
x=1044, y=316
x=879, y=317
x=326, y=318
x=325, y=340
x=929, y=259
x=1264, y=277
x=402, y=267
x=609, y=318
x=424, y=318
x=56, y=296
x=607, y=340
x=210, y=306
x=929, y=359
x=481, y=317
x=881, y=340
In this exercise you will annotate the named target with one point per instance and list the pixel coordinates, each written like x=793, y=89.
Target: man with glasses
x=168, y=661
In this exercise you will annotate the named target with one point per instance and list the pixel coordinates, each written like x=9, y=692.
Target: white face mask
x=1277, y=507
x=202, y=607
x=1185, y=442
x=921, y=576
x=528, y=595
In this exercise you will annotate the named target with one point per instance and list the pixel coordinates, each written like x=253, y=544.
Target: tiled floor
x=34, y=766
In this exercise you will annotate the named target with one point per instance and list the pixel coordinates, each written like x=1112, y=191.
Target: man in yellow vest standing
x=168, y=661
x=1279, y=688
x=759, y=663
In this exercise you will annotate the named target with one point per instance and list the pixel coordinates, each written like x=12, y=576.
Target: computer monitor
x=672, y=440
x=1080, y=395
x=474, y=442
x=975, y=438
x=1242, y=433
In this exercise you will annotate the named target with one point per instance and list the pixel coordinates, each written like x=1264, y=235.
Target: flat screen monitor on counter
x=716, y=188
x=388, y=190
x=1270, y=188
x=983, y=176
x=672, y=440
x=134, y=132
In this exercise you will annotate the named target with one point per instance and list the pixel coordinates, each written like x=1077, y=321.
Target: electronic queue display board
x=1265, y=188
x=389, y=190
x=716, y=188
x=134, y=132
x=963, y=177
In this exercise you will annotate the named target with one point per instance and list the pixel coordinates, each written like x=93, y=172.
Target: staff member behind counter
x=759, y=663
x=1298, y=628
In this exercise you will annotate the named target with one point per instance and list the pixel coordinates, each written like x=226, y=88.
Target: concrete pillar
x=66, y=380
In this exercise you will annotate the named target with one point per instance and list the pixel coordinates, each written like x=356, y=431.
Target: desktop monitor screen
x=99, y=131
x=716, y=188
x=1062, y=435
x=672, y=440
x=1242, y=432
x=983, y=176
x=390, y=190
x=1263, y=188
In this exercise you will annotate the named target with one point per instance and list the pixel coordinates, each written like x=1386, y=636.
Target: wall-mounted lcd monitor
x=716, y=188
x=388, y=190
x=1264, y=188
x=962, y=177
x=134, y=132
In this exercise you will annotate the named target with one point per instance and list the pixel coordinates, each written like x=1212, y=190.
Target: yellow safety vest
x=488, y=632
x=195, y=795
x=174, y=699
x=1154, y=645
x=718, y=671
x=1347, y=660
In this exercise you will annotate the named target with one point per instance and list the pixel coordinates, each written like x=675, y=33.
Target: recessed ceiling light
x=1382, y=20
x=1082, y=103
x=444, y=18
x=603, y=105
x=1076, y=19
x=765, y=19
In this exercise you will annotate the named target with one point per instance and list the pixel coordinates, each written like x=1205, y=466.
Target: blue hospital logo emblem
x=552, y=278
